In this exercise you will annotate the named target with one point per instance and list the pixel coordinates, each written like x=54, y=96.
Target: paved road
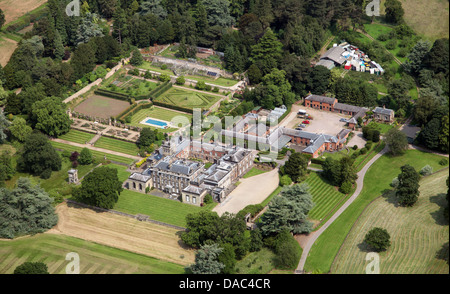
x=314, y=235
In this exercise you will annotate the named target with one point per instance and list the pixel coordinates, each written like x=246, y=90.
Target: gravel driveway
x=252, y=190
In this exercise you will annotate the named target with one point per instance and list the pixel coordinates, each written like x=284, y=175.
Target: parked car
x=343, y=120
x=306, y=122
x=302, y=126
x=299, y=129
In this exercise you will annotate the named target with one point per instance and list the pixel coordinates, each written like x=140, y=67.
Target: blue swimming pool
x=156, y=123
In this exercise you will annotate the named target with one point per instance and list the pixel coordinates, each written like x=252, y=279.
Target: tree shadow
x=438, y=215
x=364, y=247
x=390, y=196
x=443, y=252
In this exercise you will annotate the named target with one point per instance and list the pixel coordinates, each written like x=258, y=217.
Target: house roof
x=382, y=110
x=327, y=63
x=323, y=99
x=140, y=177
x=347, y=107
x=335, y=54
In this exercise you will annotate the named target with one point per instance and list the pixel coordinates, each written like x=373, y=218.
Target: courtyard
x=322, y=122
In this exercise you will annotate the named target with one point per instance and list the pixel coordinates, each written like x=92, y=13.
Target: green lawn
x=148, y=66
x=219, y=81
x=188, y=99
x=376, y=183
x=117, y=145
x=325, y=197
x=77, y=136
x=259, y=262
x=94, y=258
x=254, y=172
x=97, y=154
x=158, y=208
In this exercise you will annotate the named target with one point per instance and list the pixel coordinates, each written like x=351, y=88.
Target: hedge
x=113, y=95
x=158, y=91
x=174, y=107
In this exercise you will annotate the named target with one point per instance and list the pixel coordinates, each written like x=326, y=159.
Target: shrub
x=368, y=145
x=426, y=170
x=200, y=85
x=378, y=239
x=46, y=174
x=85, y=157
x=164, y=67
x=31, y=268
x=391, y=44
x=394, y=183
x=346, y=187
x=180, y=80
x=164, y=78
x=355, y=147
x=285, y=180
x=208, y=87
x=443, y=161
x=208, y=199
x=363, y=150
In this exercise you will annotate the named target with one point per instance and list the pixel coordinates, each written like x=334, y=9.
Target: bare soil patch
x=7, y=48
x=14, y=9
x=122, y=232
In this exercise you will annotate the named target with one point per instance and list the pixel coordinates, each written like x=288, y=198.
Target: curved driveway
x=312, y=237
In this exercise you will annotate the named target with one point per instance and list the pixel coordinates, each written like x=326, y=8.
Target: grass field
x=77, y=136
x=188, y=99
x=376, y=183
x=254, y=172
x=417, y=233
x=117, y=145
x=158, y=208
x=219, y=81
x=158, y=113
x=325, y=197
x=97, y=154
x=94, y=258
x=429, y=19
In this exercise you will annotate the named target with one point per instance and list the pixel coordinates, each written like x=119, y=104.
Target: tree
x=3, y=93
x=378, y=239
x=4, y=124
x=267, y=54
x=19, y=129
x=296, y=166
x=88, y=28
x=38, y=155
x=394, y=11
x=2, y=18
x=180, y=80
x=26, y=209
x=50, y=117
x=153, y=7
x=137, y=58
x=254, y=74
x=408, y=186
x=6, y=167
x=319, y=80
x=396, y=141
x=287, y=250
x=100, y=188
x=146, y=138
x=288, y=211
x=85, y=157
x=218, y=13
x=31, y=268
x=206, y=260
x=416, y=57
x=83, y=60
x=228, y=258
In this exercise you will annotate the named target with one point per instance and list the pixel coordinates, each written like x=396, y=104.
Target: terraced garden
x=326, y=197
x=417, y=233
x=130, y=85
x=97, y=154
x=188, y=99
x=77, y=136
x=117, y=145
